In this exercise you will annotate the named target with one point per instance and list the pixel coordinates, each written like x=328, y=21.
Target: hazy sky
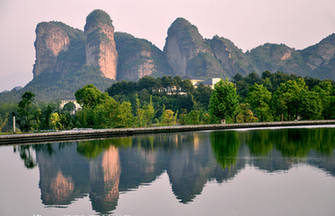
x=248, y=23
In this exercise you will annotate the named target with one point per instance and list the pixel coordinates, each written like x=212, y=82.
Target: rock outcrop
x=190, y=55
x=50, y=41
x=204, y=66
x=316, y=61
x=183, y=43
x=139, y=58
x=68, y=58
x=231, y=57
x=59, y=48
x=100, y=45
x=320, y=58
x=272, y=57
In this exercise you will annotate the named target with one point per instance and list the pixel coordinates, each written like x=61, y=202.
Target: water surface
x=236, y=172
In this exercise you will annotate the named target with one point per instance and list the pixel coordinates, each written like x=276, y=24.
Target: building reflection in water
x=103, y=169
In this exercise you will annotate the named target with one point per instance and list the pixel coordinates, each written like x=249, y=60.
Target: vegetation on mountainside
x=52, y=86
x=171, y=100
x=134, y=52
x=187, y=34
x=205, y=65
x=231, y=57
x=98, y=17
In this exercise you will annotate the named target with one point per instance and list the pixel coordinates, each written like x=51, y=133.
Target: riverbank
x=84, y=134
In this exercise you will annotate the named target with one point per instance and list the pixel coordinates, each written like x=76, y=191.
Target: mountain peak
x=97, y=17
x=183, y=43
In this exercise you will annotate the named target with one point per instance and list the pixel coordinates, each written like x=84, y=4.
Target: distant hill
x=68, y=58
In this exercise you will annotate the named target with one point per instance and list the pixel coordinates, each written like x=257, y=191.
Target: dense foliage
x=171, y=100
x=134, y=53
x=224, y=102
x=97, y=17
x=280, y=96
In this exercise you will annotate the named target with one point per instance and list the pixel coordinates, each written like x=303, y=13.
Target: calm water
x=245, y=172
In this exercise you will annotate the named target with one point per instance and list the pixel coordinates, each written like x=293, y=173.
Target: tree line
x=171, y=100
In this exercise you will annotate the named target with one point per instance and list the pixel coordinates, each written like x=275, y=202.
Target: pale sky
x=248, y=23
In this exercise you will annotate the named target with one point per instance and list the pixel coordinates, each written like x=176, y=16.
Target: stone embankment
x=84, y=134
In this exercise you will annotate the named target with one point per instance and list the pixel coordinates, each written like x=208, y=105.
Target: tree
x=324, y=91
x=311, y=106
x=146, y=82
x=124, y=117
x=69, y=108
x=139, y=114
x=287, y=100
x=99, y=109
x=122, y=87
x=3, y=121
x=193, y=117
x=223, y=103
x=259, y=98
x=46, y=111
x=244, y=114
x=168, y=118
x=26, y=111
x=149, y=113
x=90, y=96
x=55, y=121
x=202, y=94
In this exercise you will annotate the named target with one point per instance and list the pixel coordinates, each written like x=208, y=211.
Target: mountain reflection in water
x=104, y=168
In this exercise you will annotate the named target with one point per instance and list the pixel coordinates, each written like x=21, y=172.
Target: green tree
x=55, y=121
x=259, y=98
x=202, y=95
x=287, y=100
x=124, y=117
x=311, y=106
x=244, y=114
x=149, y=113
x=3, y=121
x=26, y=112
x=90, y=96
x=46, y=111
x=146, y=82
x=193, y=117
x=69, y=108
x=168, y=118
x=139, y=114
x=99, y=109
x=145, y=114
x=324, y=91
x=223, y=103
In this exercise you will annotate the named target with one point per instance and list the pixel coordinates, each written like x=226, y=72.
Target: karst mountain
x=69, y=58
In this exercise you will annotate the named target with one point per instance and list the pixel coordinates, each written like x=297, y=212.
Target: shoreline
x=86, y=134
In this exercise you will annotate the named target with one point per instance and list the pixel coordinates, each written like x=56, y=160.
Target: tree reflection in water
x=104, y=168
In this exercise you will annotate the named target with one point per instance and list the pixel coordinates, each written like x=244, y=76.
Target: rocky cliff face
x=320, y=58
x=190, y=55
x=139, y=58
x=316, y=61
x=67, y=58
x=272, y=57
x=183, y=43
x=50, y=41
x=231, y=57
x=59, y=48
x=100, y=45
